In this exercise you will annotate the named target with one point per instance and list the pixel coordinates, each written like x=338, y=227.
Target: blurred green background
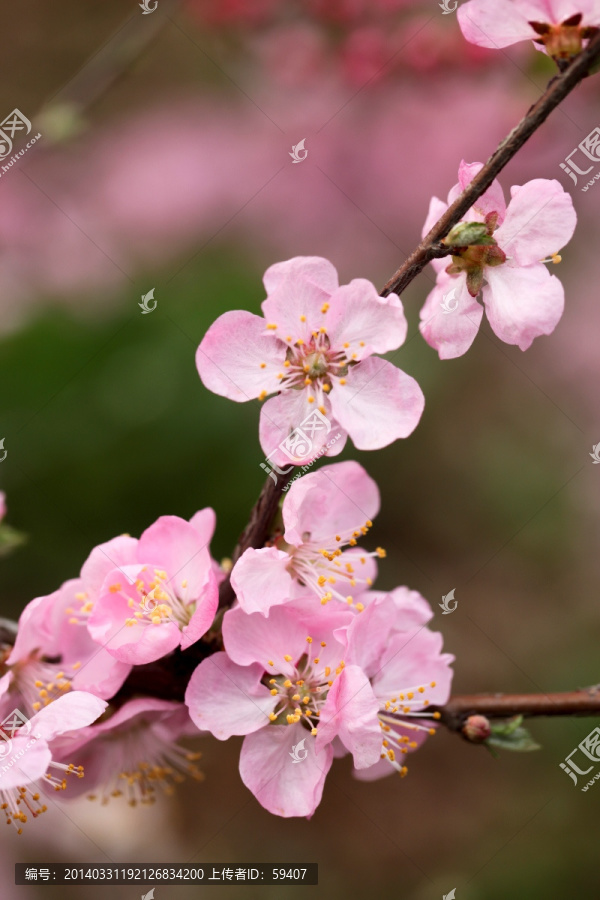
x=107, y=426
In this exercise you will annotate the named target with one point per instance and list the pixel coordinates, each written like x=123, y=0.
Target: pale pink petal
x=35, y=628
x=267, y=769
x=494, y=23
x=27, y=760
x=378, y=404
x=174, y=545
x=492, y=200
x=360, y=322
x=315, y=269
x=251, y=638
x=101, y=673
x=523, y=303
x=204, y=614
x=411, y=609
x=540, y=220
x=296, y=307
x=67, y=713
x=331, y=500
x=227, y=699
x=411, y=661
x=381, y=769
x=231, y=356
x=282, y=415
x=350, y=713
x=450, y=317
x=204, y=523
x=120, y=551
x=260, y=579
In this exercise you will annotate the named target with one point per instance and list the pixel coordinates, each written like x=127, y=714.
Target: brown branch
x=430, y=247
x=256, y=531
x=583, y=702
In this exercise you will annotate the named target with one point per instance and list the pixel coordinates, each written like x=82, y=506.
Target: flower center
x=313, y=365
x=317, y=564
x=157, y=600
x=301, y=696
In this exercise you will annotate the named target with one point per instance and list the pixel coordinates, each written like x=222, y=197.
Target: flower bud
x=477, y=729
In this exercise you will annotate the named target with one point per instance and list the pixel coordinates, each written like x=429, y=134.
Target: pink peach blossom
x=521, y=298
x=314, y=349
x=156, y=593
x=323, y=512
x=271, y=685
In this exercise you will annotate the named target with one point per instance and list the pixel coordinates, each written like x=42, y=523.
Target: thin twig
x=583, y=702
x=256, y=531
x=430, y=247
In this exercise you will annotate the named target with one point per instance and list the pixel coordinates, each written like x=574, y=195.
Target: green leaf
x=510, y=735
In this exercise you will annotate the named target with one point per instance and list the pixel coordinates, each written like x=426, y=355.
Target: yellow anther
x=263, y=365
x=272, y=717
x=311, y=399
x=287, y=657
x=342, y=381
x=262, y=395
x=274, y=691
x=303, y=318
x=115, y=588
x=326, y=388
x=380, y=552
x=325, y=307
x=271, y=326
x=309, y=640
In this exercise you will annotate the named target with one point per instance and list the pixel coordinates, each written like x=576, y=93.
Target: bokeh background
x=164, y=163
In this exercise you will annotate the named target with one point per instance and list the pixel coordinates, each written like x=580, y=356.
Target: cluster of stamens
x=139, y=785
x=312, y=364
x=20, y=802
x=392, y=716
x=302, y=696
x=322, y=569
x=157, y=601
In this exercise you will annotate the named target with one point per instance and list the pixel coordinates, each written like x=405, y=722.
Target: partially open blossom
x=500, y=252
x=157, y=593
x=133, y=753
x=28, y=761
x=51, y=655
x=314, y=349
x=561, y=27
x=323, y=512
